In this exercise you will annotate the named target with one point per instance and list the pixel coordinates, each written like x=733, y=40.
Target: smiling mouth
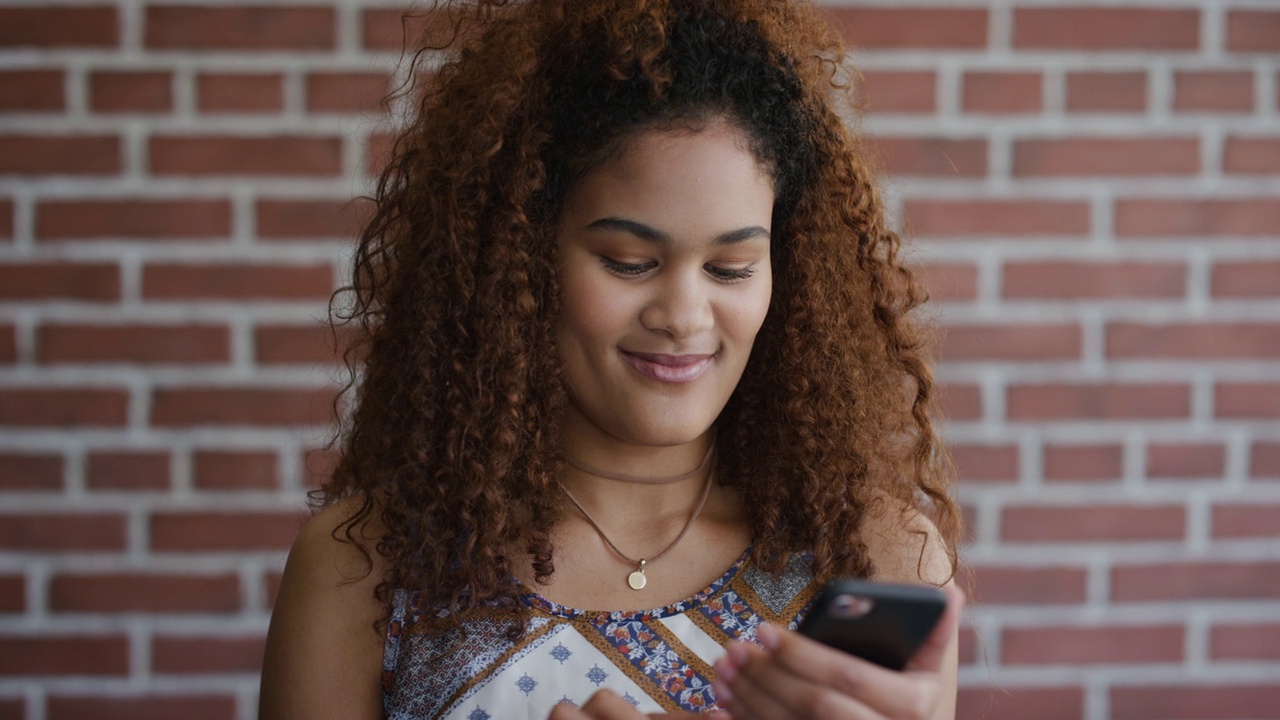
x=669, y=368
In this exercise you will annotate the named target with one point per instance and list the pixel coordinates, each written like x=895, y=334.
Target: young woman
x=637, y=377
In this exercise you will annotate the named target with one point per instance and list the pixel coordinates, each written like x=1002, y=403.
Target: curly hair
x=457, y=389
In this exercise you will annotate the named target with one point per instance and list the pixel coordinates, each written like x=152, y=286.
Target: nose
x=680, y=308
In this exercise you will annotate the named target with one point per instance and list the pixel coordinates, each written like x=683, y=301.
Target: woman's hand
x=606, y=705
x=792, y=676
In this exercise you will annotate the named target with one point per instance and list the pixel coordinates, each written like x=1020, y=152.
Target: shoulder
x=323, y=655
x=905, y=546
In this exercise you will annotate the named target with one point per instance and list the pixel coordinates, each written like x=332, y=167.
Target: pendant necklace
x=636, y=580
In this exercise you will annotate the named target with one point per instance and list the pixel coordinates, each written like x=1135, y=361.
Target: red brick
x=1245, y=642
x=1251, y=520
x=240, y=93
x=87, y=26
x=972, y=648
x=212, y=531
x=1019, y=703
x=132, y=219
x=1205, y=580
x=1247, y=400
x=347, y=92
x=1247, y=279
x=1186, y=460
x=931, y=157
x=152, y=707
x=996, y=218
x=960, y=401
x=8, y=344
x=906, y=27
x=28, y=471
x=63, y=407
x=1065, y=280
x=240, y=27
x=1000, y=93
x=252, y=407
x=122, y=91
x=59, y=155
x=1213, y=91
x=13, y=708
x=1037, y=585
x=237, y=282
x=1046, y=341
x=215, y=470
x=32, y=90
x=59, y=281
x=1081, y=28
x=13, y=596
x=43, y=532
x=1194, y=217
x=1194, y=702
x=1092, y=645
x=6, y=219
x=1264, y=460
x=150, y=593
x=318, y=465
x=79, y=655
x=258, y=156
x=377, y=151
x=272, y=582
x=292, y=344
x=1108, y=157
x=950, y=281
x=986, y=463
x=898, y=91
x=1093, y=523
x=1192, y=340
x=1253, y=31
x=207, y=655
x=292, y=219
x=1099, y=401
x=1083, y=462
x=1107, y=91
x=389, y=28
x=127, y=470
x=1252, y=156
x=136, y=344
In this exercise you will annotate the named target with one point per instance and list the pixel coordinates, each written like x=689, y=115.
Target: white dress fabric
x=464, y=667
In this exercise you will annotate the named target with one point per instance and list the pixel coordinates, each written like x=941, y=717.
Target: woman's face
x=665, y=277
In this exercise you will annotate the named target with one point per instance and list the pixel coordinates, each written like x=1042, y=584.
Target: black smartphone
x=884, y=623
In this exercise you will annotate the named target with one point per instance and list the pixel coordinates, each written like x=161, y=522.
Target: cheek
x=590, y=311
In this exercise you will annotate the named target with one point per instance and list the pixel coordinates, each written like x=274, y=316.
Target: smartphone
x=881, y=622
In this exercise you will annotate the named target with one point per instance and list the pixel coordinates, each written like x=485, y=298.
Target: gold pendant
x=636, y=579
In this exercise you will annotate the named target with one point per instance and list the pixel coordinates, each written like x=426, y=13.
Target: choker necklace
x=636, y=580
x=578, y=465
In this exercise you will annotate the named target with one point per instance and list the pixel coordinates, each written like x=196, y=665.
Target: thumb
x=934, y=651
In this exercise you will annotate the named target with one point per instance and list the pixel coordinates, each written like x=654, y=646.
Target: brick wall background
x=1095, y=188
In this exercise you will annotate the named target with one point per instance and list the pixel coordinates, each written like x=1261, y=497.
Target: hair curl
x=452, y=442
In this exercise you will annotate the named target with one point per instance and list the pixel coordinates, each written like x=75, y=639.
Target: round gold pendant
x=636, y=580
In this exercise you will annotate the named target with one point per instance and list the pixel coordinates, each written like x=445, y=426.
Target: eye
x=730, y=274
x=623, y=268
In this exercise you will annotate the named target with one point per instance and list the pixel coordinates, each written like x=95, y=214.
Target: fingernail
x=769, y=636
x=723, y=694
x=726, y=670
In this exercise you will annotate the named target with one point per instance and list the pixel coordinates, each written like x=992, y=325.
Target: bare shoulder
x=905, y=545
x=323, y=654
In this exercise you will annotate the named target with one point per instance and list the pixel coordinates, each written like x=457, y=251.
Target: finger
x=933, y=653
x=771, y=691
x=884, y=691
x=607, y=705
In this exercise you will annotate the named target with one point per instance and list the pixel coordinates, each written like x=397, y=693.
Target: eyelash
x=631, y=269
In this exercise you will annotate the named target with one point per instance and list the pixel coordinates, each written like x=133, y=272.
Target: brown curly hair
x=452, y=440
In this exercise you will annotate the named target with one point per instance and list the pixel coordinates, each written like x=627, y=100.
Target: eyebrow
x=649, y=234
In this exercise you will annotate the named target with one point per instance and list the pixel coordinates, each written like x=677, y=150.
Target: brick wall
x=1095, y=188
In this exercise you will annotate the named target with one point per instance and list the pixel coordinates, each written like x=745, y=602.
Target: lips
x=669, y=368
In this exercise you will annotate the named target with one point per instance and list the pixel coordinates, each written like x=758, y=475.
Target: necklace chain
x=637, y=580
